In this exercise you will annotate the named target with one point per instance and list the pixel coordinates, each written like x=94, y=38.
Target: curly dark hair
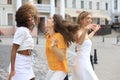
x=23, y=14
x=66, y=28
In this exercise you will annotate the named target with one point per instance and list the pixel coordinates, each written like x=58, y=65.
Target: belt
x=27, y=52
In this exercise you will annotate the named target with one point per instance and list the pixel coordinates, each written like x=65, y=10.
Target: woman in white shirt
x=23, y=43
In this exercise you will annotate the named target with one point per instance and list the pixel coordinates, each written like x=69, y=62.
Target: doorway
x=41, y=26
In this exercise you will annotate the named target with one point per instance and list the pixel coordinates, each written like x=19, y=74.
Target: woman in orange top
x=58, y=38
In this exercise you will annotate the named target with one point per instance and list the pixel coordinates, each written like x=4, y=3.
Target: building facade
x=115, y=11
x=69, y=9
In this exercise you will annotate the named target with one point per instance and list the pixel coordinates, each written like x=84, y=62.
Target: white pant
x=55, y=75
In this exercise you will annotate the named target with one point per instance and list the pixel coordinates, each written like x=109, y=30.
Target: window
x=10, y=19
x=39, y=1
x=65, y=3
x=55, y=3
x=90, y=4
x=98, y=6
x=82, y=4
x=106, y=6
x=74, y=3
x=98, y=20
x=116, y=19
x=115, y=4
x=9, y=1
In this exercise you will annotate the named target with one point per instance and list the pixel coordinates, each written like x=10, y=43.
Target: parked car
x=105, y=29
x=116, y=27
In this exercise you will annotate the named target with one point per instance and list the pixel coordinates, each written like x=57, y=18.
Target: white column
x=52, y=11
x=118, y=6
x=18, y=4
x=62, y=8
x=31, y=1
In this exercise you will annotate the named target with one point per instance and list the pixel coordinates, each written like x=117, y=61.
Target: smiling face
x=87, y=20
x=84, y=19
x=50, y=24
x=31, y=20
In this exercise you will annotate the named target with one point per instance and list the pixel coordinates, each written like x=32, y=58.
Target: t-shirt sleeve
x=61, y=43
x=19, y=37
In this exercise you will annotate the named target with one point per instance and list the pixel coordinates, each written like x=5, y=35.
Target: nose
x=91, y=20
x=47, y=20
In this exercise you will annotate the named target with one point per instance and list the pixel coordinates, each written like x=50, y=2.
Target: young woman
x=21, y=61
x=58, y=38
x=82, y=68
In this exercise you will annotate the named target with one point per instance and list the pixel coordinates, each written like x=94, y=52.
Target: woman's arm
x=59, y=52
x=91, y=34
x=13, y=57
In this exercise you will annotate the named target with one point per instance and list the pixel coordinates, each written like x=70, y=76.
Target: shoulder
x=79, y=33
x=22, y=29
x=59, y=35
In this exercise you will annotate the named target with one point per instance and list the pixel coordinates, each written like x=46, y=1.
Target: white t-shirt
x=23, y=38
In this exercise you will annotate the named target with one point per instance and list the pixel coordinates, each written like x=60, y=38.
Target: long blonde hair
x=81, y=17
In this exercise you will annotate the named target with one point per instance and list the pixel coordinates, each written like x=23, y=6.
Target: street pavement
x=108, y=57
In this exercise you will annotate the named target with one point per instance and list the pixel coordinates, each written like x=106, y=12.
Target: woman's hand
x=58, y=51
x=95, y=27
x=54, y=42
x=12, y=73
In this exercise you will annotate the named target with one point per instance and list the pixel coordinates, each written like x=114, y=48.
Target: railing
x=43, y=7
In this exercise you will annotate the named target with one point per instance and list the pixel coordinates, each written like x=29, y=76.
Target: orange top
x=53, y=60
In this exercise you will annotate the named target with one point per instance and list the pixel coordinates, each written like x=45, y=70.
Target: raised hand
x=95, y=27
x=54, y=42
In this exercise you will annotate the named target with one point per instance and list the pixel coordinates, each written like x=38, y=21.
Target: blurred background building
x=104, y=12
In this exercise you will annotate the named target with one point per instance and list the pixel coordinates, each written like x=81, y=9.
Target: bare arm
x=59, y=52
x=91, y=34
x=13, y=56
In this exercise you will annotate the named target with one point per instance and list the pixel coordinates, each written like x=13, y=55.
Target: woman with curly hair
x=21, y=56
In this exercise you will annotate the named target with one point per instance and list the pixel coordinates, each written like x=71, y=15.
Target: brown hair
x=66, y=28
x=81, y=17
x=23, y=14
